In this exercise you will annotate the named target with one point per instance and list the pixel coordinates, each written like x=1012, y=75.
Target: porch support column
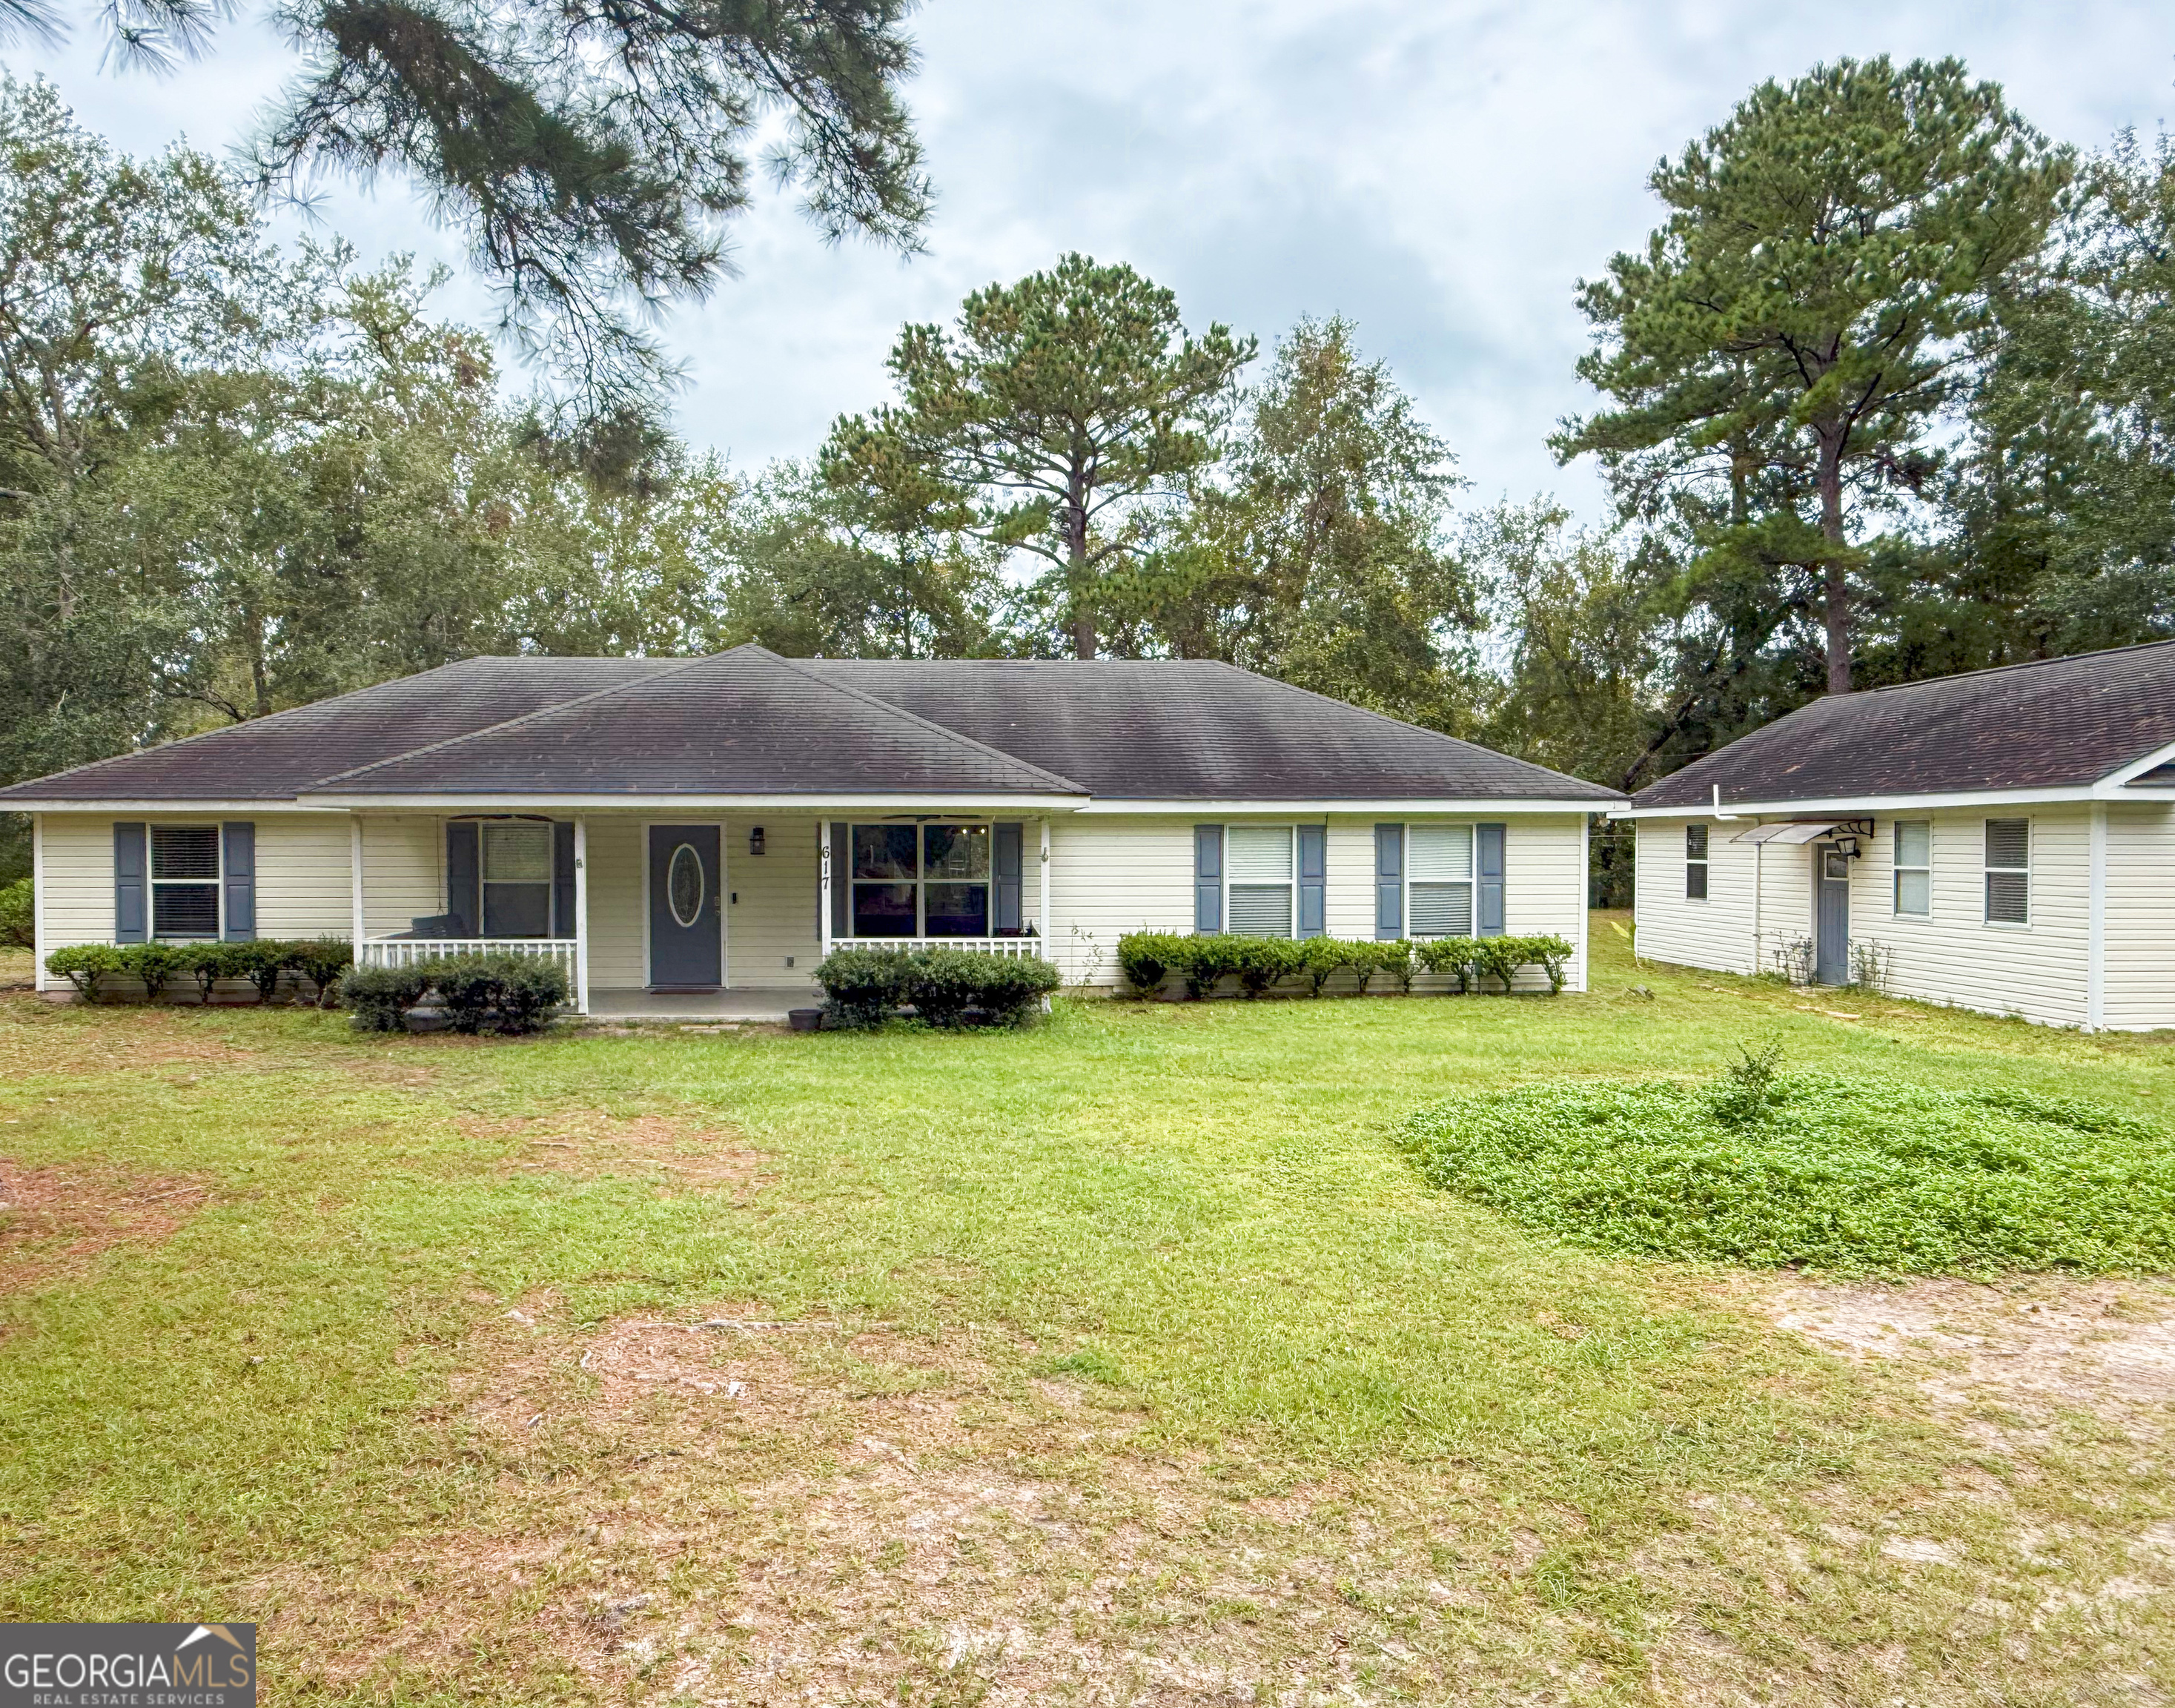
x=823, y=898
x=355, y=879
x=581, y=916
x=1042, y=906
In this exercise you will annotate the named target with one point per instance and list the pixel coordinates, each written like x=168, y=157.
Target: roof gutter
x=941, y=801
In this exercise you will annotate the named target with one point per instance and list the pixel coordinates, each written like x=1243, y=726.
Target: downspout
x=2095, y=923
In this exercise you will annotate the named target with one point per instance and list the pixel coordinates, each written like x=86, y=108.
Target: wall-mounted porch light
x=755, y=840
x=1846, y=846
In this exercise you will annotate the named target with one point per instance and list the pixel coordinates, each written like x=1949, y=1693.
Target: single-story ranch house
x=2003, y=840
x=675, y=830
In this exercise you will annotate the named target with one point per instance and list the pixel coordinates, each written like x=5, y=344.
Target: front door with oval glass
x=685, y=946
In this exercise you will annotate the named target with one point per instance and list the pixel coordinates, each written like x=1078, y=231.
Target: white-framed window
x=185, y=881
x=1261, y=861
x=919, y=881
x=1695, y=862
x=2008, y=871
x=517, y=857
x=1439, y=881
x=1914, y=867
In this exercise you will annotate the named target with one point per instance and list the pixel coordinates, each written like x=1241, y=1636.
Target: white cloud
x=1441, y=173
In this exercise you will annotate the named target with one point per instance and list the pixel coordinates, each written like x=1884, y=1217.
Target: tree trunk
x=1837, y=566
x=1076, y=550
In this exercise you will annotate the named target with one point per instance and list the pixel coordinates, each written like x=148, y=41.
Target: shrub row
x=945, y=986
x=507, y=994
x=94, y=968
x=1149, y=958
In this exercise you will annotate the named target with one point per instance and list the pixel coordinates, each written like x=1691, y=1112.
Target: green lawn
x=1128, y=1361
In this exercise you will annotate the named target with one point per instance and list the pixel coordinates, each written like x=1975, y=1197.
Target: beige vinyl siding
x=1111, y=875
x=780, y=894
x=617, y=928
x=302, y=883
x=1717, y=932
x=403, y=873
x=1950, y=956
x=2139, y=961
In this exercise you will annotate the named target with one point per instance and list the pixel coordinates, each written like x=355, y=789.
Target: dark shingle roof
x=749, y=721
x=1185, y=729
x=2051, y=724
x=745, y=722
x=270, y=758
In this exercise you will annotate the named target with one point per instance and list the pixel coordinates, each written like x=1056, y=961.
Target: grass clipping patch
x=1767, y=1169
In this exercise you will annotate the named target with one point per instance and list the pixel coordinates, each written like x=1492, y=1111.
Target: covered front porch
x=690, y=916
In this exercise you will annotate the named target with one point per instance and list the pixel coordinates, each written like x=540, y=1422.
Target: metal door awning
x=1793, y=833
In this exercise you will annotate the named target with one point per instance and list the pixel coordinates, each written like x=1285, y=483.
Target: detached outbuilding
x=2003, y=840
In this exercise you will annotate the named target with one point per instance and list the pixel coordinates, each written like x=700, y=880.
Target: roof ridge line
x=511, y=723
x=798, y=667
x=1993, y=670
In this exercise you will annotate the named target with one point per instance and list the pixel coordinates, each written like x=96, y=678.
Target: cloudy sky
x=1441, y=173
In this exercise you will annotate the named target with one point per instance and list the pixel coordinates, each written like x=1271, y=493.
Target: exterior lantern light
x=755, y=840
x=1846, y=846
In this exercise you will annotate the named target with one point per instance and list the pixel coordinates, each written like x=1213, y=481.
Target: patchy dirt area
x=54, y=1221
x=2030, y=1347
x=734, y=1511
x=684, y=1156
x=37, y=1038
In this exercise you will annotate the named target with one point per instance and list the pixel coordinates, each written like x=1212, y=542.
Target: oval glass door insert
x=683, y=886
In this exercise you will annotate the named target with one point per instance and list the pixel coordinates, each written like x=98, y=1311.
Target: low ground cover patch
x=1858, y=1175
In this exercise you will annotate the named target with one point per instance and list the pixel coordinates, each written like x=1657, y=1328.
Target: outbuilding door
x=685, y=946
x=1831, y=915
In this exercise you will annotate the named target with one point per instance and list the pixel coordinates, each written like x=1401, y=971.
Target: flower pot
x=805, y=1019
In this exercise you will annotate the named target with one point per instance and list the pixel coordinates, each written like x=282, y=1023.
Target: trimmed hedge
x=944, y=987
x=318, y=961
x=510, y=994
x=1148, y=959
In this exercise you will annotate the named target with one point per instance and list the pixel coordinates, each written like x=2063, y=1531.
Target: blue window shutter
x=1006, y=861
x=1208, y=877
x=1488, y=868
x=132, y=897
x=562, y=877
x=238, y=866
x=1313, y=875
x=1389, y=882
x=463, y=875
x=841, y=880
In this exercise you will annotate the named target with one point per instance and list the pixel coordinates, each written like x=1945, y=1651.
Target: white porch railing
x=406, y=951
x=1011, y=948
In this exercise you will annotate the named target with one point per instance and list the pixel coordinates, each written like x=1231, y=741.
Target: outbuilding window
x=2008, y=871
x=1694, y=862
x=184, y=880
x=1914, y=864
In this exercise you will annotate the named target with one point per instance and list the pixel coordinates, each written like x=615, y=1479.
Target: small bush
x=209, y=962
x=945, y=986
x=82, y=964
x=1397, y=960
x=1453, y=956
x=1853, y=1176
x=152, y=964
x=19, y=914
x=1147, y=958
x=1745, y=1093
x=1322, y=958
x=321, y=961
x=1262, y=962
x=864, y=987
x=380, y=997
x=510, y=994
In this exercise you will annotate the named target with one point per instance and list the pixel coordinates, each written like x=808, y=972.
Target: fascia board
x=1861, y=806
x=1104, y=806
x=460, y=803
